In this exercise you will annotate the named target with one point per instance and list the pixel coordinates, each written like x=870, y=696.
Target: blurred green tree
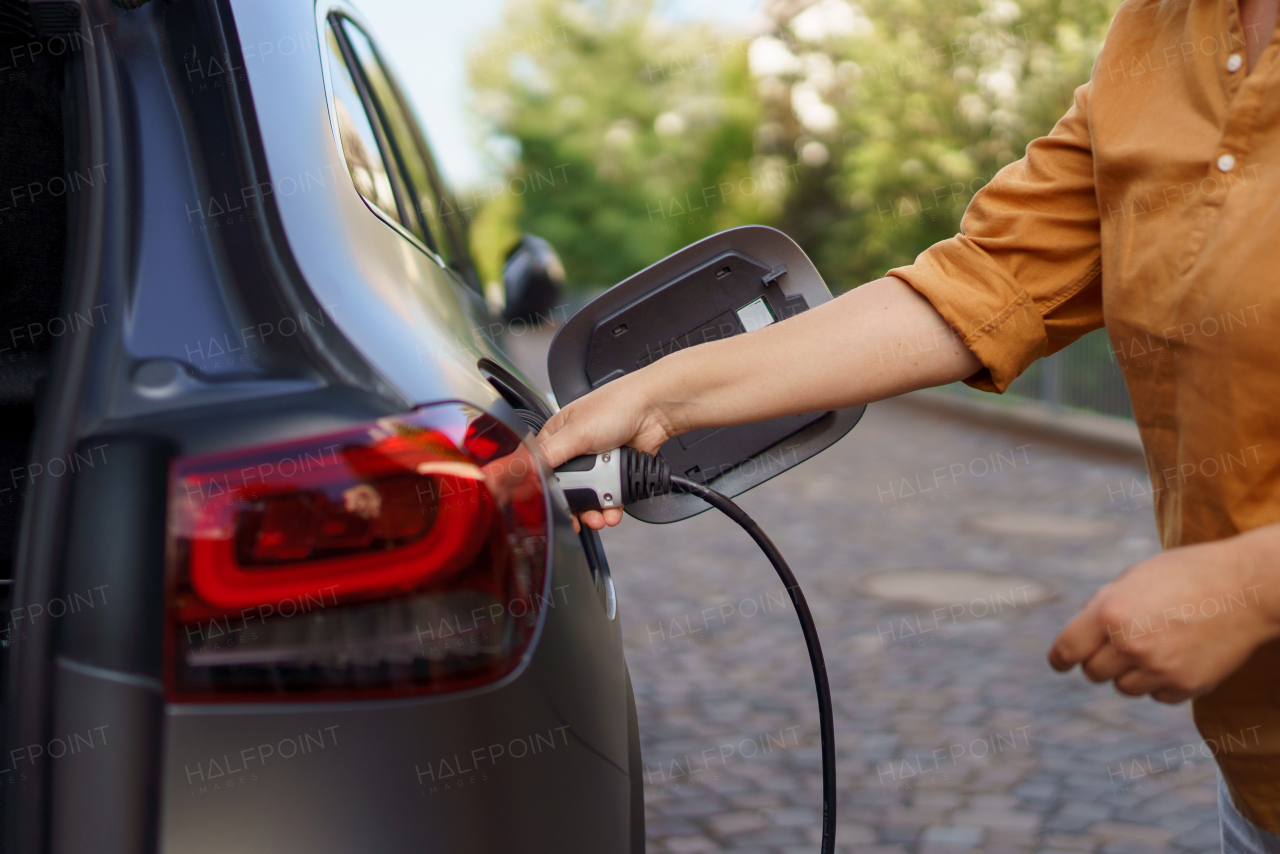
x=861, y=129
x=648, y=125
x=903, y=109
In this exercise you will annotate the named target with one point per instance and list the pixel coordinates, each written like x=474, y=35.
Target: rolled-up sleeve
x=1023, y=278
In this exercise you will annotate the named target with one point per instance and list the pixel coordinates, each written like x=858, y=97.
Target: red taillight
x=405, y=557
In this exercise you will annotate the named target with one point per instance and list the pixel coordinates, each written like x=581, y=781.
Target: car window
x=439, y=216
x=361, y=147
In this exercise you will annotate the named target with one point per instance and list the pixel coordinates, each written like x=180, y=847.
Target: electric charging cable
x=624, y=475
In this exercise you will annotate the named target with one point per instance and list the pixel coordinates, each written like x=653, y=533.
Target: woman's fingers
x=1172, y=696
x=1083, y=638
x=1106, y=664
x=596, y=520
x=561, y=441
x=1138, y=682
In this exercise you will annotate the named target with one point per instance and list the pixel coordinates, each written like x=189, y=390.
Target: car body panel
x=398, y=331
x=389, y=297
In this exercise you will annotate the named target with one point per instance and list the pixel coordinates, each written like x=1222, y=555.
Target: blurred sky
x=428, y=41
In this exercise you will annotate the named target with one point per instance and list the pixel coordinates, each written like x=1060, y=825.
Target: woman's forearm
x=875, y=342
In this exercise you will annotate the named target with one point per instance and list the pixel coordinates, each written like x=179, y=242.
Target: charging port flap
x=731, y=283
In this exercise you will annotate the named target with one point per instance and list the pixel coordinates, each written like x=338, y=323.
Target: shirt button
x=1226, y=163
x=1234, y=62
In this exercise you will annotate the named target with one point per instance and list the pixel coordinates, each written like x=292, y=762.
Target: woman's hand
x=619, y=413
x=1177, y=624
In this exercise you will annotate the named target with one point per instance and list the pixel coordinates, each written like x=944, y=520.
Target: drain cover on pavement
x=939, y=587
x=1042, y=525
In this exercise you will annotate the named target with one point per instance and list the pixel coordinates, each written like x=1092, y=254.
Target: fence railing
x=1082, y=376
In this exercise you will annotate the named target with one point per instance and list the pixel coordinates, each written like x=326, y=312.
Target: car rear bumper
x=536, y=762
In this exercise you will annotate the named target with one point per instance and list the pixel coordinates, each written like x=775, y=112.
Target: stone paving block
x=754, y=800
x=847, y=834
x=1085, y=810
x=749, y=770
x=806, y=798
x=1002, y=776
x=1207, y=837
x=862, y=815
x=1013, y=836
x=1065, y=761
x=1036, y=790
x=1041, y=806
x=1069, y=842
x=995, y=802
x=1155, y=808
x=731, y=823
x=931, y=848
x=1125, y=800
x=794, y=817
x=1200, y=811
x=1175, y=822
x=779, y=783
x=963, y=713
x=877, y=746
x=1155, y=788
x=771, y=836
x=690, y=845
x=997, y=818
x=663, y=826
x=965, y=837
x=894, y=833
x=1007, y=848
x=804, y=757
x=1038, y=772
x=919, y=816
x=1115, y=830
x=1089, y=786
x=939, y=799
x=1203, y=795
x=1066, y=823
x=723, y=784
x=943, y=781
x=693, y=806
x=1129, y=846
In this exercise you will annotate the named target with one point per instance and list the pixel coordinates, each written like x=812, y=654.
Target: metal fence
x=1082, y=376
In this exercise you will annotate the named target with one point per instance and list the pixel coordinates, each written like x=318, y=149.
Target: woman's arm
x=875, y=342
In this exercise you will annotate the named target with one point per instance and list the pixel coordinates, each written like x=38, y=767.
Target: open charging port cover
x=730, y=283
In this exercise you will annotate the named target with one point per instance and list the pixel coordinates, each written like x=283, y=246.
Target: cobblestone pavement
x=953, y=733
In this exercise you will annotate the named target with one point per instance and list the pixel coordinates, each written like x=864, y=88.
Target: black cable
x=826, y=724
x=591, y=481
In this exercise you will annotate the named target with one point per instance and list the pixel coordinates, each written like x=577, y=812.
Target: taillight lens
x=405, y=557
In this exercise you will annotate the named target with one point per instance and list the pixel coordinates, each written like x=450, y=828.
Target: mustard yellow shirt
x=1153, y=208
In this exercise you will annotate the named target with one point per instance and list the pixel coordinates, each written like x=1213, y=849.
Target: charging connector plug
x=613, y=479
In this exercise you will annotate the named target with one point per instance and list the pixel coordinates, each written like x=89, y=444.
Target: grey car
x=282, y=573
